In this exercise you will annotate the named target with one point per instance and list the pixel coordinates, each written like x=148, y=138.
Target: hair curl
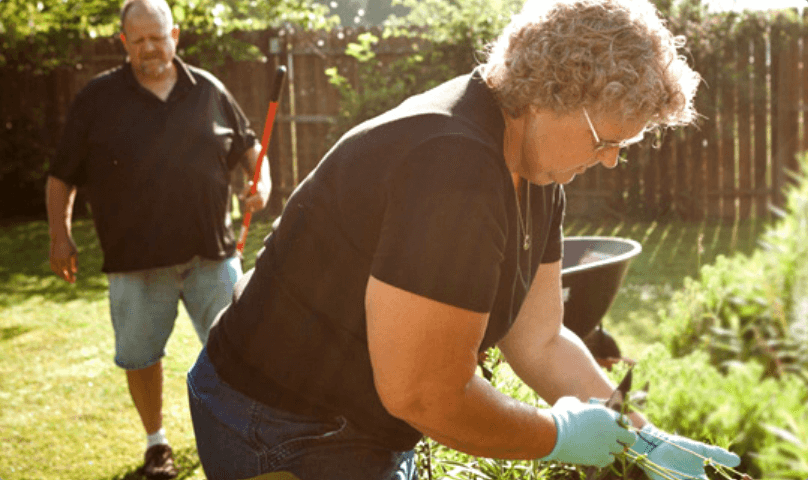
x=613, y=56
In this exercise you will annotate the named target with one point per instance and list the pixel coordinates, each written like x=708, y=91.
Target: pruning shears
x=616, y=402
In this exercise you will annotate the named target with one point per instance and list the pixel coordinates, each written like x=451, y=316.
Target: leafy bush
x=751, y=308
x=735, y=409
x=447, y=40
x=763, y=421
x=23, y=150
x=384, y=84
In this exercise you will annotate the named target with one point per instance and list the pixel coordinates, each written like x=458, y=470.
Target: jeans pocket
x=293, y=435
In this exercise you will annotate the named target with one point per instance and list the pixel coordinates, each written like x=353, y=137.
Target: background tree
x=40, y=35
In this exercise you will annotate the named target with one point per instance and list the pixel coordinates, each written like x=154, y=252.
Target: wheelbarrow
x=592, y=272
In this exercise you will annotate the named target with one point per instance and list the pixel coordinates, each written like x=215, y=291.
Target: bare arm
x=424, y=355
x=63, y=252
x=547, y=356
x=258, y=201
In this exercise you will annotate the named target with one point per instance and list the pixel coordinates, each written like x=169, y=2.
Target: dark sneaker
x=158, y=463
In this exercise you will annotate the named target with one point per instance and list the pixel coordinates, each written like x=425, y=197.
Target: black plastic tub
x=592, y=272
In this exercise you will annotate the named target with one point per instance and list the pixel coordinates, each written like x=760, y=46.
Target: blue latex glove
x=588, y=434
x=664, y=450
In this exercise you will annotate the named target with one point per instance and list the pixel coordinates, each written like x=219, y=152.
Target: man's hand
x=681, y=457
x=588, y=434
x=257, y=201
x=64, y=258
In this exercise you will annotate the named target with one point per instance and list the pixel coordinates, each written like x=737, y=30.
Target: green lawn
x=65, y=412
x=671, y=252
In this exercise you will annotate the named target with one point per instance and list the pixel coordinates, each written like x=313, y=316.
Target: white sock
x=156, y=438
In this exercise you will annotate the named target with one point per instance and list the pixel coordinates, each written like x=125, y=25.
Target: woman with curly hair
x=428, y=235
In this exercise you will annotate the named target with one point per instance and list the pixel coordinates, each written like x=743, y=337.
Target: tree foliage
x=40, y=35
x=448, y=39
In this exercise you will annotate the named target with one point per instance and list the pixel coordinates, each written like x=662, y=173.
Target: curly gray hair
x=612, y=56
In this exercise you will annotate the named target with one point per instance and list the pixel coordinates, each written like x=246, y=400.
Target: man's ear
x=175, y=34
x=122, y=36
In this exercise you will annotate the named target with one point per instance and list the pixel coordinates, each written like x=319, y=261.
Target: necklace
x=524, y=224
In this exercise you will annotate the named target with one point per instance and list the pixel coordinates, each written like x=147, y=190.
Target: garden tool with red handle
x=274, y=98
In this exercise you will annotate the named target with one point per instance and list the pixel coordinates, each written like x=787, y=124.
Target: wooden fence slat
x=790, y=91
x=666, y=175
x=744, y=126
x=728, y=115
x=777, y=99
x=712, y=135
x=760, y=103
x=803, y=72
x=682, y=164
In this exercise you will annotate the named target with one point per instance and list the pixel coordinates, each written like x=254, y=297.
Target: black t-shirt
x=420, y=198
x=157, y=174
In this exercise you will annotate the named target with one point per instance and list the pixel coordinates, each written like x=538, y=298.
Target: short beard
x=155, y=71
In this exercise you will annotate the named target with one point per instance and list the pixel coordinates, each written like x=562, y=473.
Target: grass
x=671, y=252
x=65, y=412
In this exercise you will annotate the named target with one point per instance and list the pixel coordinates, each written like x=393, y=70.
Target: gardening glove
x=679, y=457
x=588, y=434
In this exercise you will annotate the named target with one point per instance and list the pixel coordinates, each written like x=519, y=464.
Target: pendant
x=526, y=244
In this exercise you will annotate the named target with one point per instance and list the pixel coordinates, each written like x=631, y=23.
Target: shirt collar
x=185, y=79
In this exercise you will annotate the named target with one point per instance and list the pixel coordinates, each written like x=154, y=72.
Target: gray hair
x=608, y=55
x=152, y=6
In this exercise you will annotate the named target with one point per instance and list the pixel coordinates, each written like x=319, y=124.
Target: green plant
x=760, y=420
x=384, y=84
x=21, y=141
x=39, y=36
x=751, y=307
x=446, y=39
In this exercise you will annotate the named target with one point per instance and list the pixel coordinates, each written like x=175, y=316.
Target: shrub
x=763, y=421
x=751, y=308
x=22, y=170
x=447, y=40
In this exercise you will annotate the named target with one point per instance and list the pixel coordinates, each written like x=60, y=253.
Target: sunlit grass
x=671, y=252
x=65, y=411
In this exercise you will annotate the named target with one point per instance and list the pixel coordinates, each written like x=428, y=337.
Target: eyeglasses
x=601, y=145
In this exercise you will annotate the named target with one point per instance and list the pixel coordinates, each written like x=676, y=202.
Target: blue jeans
x=240, y=438
x=143, y=305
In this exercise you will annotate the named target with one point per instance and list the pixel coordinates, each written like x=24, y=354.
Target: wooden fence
x=733, y=166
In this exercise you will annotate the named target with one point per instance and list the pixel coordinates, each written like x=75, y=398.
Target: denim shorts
x=143, y=305
x=240, y=438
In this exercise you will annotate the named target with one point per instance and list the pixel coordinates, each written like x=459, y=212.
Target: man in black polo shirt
x=154, y=142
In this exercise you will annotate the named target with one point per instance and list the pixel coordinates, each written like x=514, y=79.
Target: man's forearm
x=59, y=199
x=250, y=162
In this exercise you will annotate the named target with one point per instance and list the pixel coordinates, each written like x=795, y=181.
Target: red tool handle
x=274, y=98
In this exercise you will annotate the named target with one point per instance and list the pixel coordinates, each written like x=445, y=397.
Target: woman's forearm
x=484, y=422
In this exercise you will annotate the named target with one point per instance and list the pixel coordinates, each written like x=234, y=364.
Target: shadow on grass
x=672, y=251
x=12, y=332
x=676, y=249
x=25, y=269
x=186, y=459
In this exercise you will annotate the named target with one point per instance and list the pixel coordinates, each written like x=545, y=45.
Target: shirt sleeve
x=445, y=225
x=69, y=162
x=244, y=137
x=554, y=248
